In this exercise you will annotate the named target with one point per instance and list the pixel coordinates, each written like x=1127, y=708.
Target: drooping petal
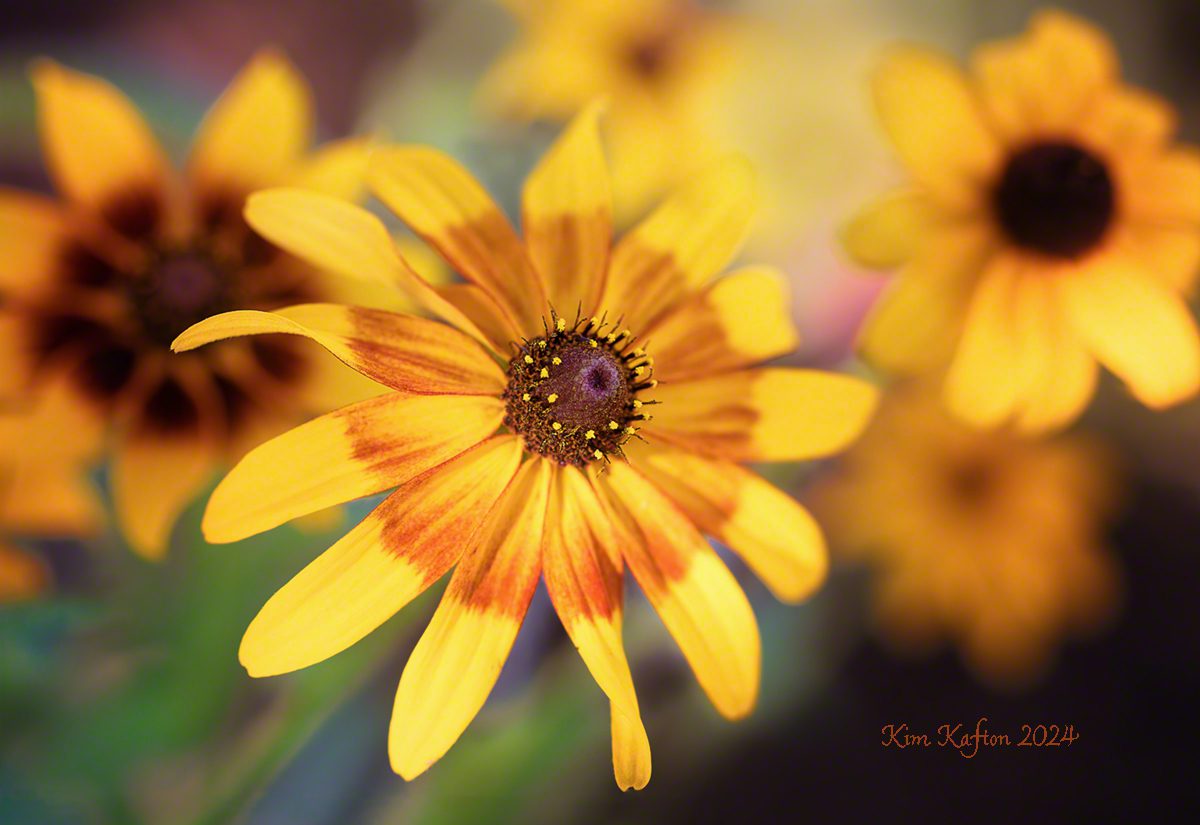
x=740, y=320
x=257, y=131
x=356, y=451
x=338, y=169
x=692, y=590
x=406, y=544
x=764, y=414
x=687, y=241
x=1067, y=380
x=445, y=205
x=96, y=144
x=402, y=351
x=49, y=501
x=347, y=240
x=1137, y=328
x=982, y=386
x=775, y=535
x=32, y=235
x=931, y=115
x=567, y=217
x=585, y=588
x=460, y=655
x=888, y=232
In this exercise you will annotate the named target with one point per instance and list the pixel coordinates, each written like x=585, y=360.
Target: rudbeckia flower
x=981, y=537
x=1051, y=223
x=658, y=62
x=43, y=487
x=585, y=406
x=97, y=284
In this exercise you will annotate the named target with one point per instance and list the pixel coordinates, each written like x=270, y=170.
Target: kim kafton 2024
x=969, y=741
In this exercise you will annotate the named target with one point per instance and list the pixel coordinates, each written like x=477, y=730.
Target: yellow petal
x=764, y=414
x=1067, y=380
x=916, y=322
x=22, y=576
x=406, y=544
x=96, y=144
x=338, y=169
x=567, y=216
x=931, y=115
x=257, y=131
x=888, y=232
x=687, y=241
x=585, y=587
x=445, y=205
x=738, y=321
x=982, y=386
x=49, y=501
x=1165, y=190
x=153, y=480
x=777, y=537
x=693, y=592
x=355, y=451
x=460, y=654
x=401, y=351
x=347, y=240
x=32, y=235
x=1137, y=328
x=631, y=751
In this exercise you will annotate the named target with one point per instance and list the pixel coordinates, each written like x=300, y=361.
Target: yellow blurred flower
x=43, y=488
x=1051, y=223
x=521, y=441
x=98, y=283
x=659, y=63
x=985, y=538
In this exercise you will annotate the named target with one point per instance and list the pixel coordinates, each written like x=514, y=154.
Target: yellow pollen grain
x=630, y=431
x=638, y=370
x=545, y=373
x=528, y=359
x=613, y=425
x=555, y=426
x=542, y=344
x=592, y=343
x=524, y=396
x=598, y=454
x=556, y=360
x=590, y=434
x=610, y=338
x=637, y=405
x=561, y=325
x=551, y=398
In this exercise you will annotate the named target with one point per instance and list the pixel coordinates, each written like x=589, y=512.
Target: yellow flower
x=97, y=284
x=43, y=490
x=1051, y=223
x=658, y=62
x=496, y=479
x=982, y=537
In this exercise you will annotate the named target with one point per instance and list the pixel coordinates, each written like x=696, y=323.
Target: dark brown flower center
x=177, y=290
x=1055, y=198
x=572, y=393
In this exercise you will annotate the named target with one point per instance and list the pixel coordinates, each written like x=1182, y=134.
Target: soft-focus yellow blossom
x=529, y=436
x=43, y=487
x=985, y=538
x=661, y=64
x=96, y=285
x=1050, y=224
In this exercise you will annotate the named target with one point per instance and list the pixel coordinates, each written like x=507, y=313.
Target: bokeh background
x=121, y=699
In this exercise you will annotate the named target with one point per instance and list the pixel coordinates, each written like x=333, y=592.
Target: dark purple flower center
x=1055, y=198
x=572, y=393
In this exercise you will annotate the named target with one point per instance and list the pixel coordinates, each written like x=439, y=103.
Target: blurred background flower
x=121, y=699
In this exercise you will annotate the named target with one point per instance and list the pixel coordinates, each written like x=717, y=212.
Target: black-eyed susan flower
x=585, y=406
x=43, y=487
x=97, y=284
x=659, y=63
x=980, y=537
x=1051, y=223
